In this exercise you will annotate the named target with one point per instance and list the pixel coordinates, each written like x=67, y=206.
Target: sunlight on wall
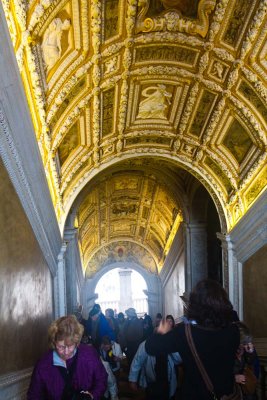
x=108, y=291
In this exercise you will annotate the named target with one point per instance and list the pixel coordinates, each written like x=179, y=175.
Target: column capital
x=226, y=241
x=195, y=226
x=70, y=234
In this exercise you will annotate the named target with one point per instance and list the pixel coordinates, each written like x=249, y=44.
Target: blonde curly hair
x=65, y=328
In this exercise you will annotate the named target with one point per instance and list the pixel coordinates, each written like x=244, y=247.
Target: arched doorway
x=121, y=288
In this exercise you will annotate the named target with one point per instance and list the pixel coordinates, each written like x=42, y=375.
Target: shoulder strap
x=200, y=366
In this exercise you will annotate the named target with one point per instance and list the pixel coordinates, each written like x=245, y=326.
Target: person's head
x=109, y=313
x=95, y=312
x=121, y=317
x=245, y=336
x=209, y=305
x=158, y=319
x=148, y=320
x=131, y=313
x=170, y=320
x=106, y=343
x=64, y=335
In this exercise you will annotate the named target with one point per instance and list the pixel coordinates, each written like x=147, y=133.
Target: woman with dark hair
x=170, y=320
x=215, y=337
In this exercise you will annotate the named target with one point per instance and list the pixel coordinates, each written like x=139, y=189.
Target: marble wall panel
x=25, y=285
x=254, y=295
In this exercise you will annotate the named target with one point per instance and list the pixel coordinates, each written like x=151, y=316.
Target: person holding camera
x=70, y=370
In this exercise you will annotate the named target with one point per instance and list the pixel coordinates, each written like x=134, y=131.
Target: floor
x=125, y=392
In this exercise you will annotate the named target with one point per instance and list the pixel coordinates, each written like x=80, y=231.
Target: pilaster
x=74, y=277
x=231, y=270
x=60, y=285
x=126, y=299
x=154, y=302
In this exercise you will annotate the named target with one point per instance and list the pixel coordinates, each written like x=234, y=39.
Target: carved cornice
x=250, y=233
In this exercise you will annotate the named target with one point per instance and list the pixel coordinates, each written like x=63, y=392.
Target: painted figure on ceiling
x=156, y=102
x=51, y=45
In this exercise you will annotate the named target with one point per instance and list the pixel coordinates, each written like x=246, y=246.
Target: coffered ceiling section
x=182, y=79
x=127, y=216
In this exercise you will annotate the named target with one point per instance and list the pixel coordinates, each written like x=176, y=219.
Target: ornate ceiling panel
x=136, y=207
x=108, y=80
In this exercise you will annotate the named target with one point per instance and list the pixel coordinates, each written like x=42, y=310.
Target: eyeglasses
x=62, y=348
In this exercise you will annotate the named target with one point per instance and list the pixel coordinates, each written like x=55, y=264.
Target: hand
x=86, y=392
x=239, y=378
x=164, y=327
x=133, y=386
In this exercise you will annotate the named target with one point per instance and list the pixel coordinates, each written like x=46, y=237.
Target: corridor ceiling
x=183, y=83
x=131, y=213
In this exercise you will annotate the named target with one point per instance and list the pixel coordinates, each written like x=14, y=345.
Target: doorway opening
x=122, y=288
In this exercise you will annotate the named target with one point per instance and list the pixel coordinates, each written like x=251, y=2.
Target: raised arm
x=164, y=341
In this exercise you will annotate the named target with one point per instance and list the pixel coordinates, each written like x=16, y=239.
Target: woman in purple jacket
x=69, y=367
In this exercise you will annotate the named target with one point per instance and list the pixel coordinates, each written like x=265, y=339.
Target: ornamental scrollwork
x=171, y=20
x=217, y=18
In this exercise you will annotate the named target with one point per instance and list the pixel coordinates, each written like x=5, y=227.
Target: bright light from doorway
x=108, y=290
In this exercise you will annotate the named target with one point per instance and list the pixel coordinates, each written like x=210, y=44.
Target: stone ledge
x=15, y=384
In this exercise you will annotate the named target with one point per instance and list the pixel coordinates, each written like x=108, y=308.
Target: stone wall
x=25, y=285
x=175, y=287
x=254, y=292
x=173, y=276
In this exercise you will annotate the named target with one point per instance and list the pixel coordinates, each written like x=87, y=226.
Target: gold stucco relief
x=51, y=44
x=171, y=19
x=155, y=103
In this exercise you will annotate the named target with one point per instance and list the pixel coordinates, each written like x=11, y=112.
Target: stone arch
x=197, y=188
x=205, y=179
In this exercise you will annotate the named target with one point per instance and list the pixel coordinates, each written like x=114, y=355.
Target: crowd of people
x=208, y=354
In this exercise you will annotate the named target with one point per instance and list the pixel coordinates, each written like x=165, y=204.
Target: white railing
x=139, y=304
x=114, y=304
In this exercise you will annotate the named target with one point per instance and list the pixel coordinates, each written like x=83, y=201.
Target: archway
x=121, y=288
x=132, y=212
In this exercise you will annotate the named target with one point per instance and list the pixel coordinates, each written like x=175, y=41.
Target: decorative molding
x=250, y=233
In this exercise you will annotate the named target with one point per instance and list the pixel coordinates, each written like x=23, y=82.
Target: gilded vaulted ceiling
x=110, y=80
x=128, y=215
